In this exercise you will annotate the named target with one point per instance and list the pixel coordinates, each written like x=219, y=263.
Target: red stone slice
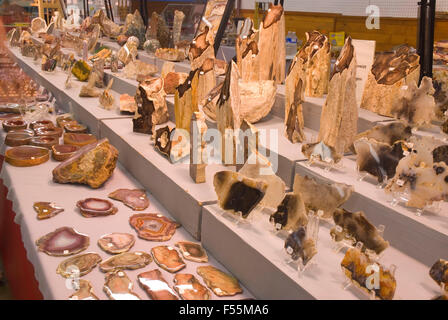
x=94, y=207
x=156, y=286
x=62, y=152
x=26, y=156
x=63, y=241
x=135, y=199
x=153, y=226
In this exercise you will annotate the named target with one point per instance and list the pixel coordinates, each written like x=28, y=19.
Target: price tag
x=400, y=182
x=289, y=250
x=278, y=226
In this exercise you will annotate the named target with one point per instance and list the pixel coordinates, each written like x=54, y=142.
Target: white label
x=404, y=88
x=187, y=254
x=278, y=226
x=405, y=153
x=65, y=251
x=138, y=253
x=218, y=291
x=170, y=248
x=289, y=250
x=320, y=213
x=400, y=182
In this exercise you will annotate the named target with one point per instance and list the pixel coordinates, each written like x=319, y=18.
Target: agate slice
x=94, y=207
x=189, y=288
x=299, y=246
x=388, y=134
x=321, y=195
x=41, y=123
x=126, y=260
x=44, y=141
x=62, y=152
x=439, y=273
x=26, y=156
x=356, y=227
x=48, y=131
x=377, y=158
x=60, y=120
x=63, y=241
x=127, y=103
x=321, y=152
x=85, y=292
x=17, y=138
x=135, y=199
x=167, y=258
x=14, y=124
x=222, y=284
x=355, y=266
x=79, y=139
x=192, y=251
x=75, y=128
x=156, y=286
x=115, y=243
x=46, y=210
x=79, y=265
x=119, y=287
x=291, y=213
x=237, y=193
x=153, y=226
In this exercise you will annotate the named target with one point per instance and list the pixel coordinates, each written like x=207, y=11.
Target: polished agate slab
x=118, y=286
x=291, y=213
x=64, y=241
x=126, y=260
x=79, y=265
x=79, y=139
x=389, y=133
x=221, y=283
x=189, y=288
x=15, y=138
x=167, y=258
x=356, y=227
x=135, y=199
x=41, y=123
x=156, y=286
x=75, y=128
x=46, y=210
x=355, y=266
x=115, y=243
x=439, y=273
x=85, y=291
x=14, y=124
x=321, y=152
x=192, y=251
x=94, y=207
x=62, y=152
x=44, y=141
x=26, y=156
x=60, y=120
x=299, y=246
x=153, y=226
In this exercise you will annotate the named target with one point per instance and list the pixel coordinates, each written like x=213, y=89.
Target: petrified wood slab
x=135, y=199
x=355, y=266
x=291, y=213
x=46, y=210
x=391, y=71
x=198, y=152
x=94, y=207
x=299, y=246
x=186, y=101
x=192, y=251
x=257, y=99
x=317, y=51
x=26, y=156
x=62, y=152
x=439, y=273
x=115, y=243
x=118, y=286
x=247, y=51
x=201, y=50
x=44, y=141
x=321, y=152
x=222, y=284
x=206, y=78
x=167, y=258
x=339, y=118
x=79, y=265
x=356, y=227
x=172, y=80
x=92, y=165
x=17, y=138
x=126, y=260
x=79, y=139
x=153, y=226
x=321, y=195
x=156, y=286
x=127, y=103
x=63, y=241
x=85, y=291
x=189, y=288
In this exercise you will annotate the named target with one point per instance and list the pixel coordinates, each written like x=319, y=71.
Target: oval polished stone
x=126, y=260
x=16, y=138
x=94, y=207
x=79, y=265
x=64, y=241
x=14, y=124
x=75, y=128
x=41, y=123
x=115, y=243
x=79, y=139
x=61, y=152
x=26, y=156
x=44, y=141
x=167, y=258
x=48, y=131
x=153, y=226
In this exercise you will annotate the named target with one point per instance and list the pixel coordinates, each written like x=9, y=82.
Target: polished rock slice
x=44, y=141
x=62, y=152
x=377, y=158
x=236, y=193
x=439, y=273
x=138, y=70
x=221, y=283
x=153, y=226
x=135, y=199
x=356, y=227
x=189, y=288
x=79, y=139
x=192, y=251
x=46, y=210
x=127, y=103
x=94, y=207
x=26, y=156
x=41, y=123
x=162, y=141
x=156, y=286
x=355, y=266
x=299, y=246
x=126, y=260
x=167, y=258
x=79, y=265
x=321, y=195
x=63, y=241
x=321, y=152
x=118, y=286
x=258, y=97
x=115, y=243
x=85, y=291
x=92, y=164
x=389, y=133
x=48, y=131
x=291, y=213
x=316, y=52
x=14, y=124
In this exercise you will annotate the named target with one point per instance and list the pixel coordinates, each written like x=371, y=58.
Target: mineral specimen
x=170, y=54
x=440, y=154
x=44, y=141
x=317, y=50
x=189, y=288
x=128, y=52
x=115, y=243
x=26, y=156
x=299, y=246
x=291, y=213
x=198, y=152
x=106, y=98
x=258, y=97
x=156, y=286
x=206, y=79
x=222, y=284
x=162, y=141
x=46, y=210
x=136, y=27
x=163, y=33
x=62, y=152
x=135, y=199
x=14, y=124
x=94, y=207
x=201, y=50
x=167, y=258
x=63, y=241
x=186, y=101
x=192, y=251
x=79, y=139
x=38, y=25
x=388, y=133
x=321, y=152
x=15, y=138
x=172, y=80
x=127, y=103
x=439, y=273
x=81, y=70
x=151, y=45
x=179, y=17
x=126, y=260
x=118, y=286
x=85, y=291
x=92, y=164
x=79, y=265
x=139, y=70
x=153, y=226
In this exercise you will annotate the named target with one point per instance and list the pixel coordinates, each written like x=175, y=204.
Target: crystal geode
x=93, y=165
x=167, y=258
x=63, y=241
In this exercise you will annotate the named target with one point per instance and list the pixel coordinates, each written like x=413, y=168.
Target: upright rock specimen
x=247, y=52
x=206, y=78
x=136, y=28
x=93, y=165
x=186, y=101
x=200, y=50
x=198, y=152
x=179, y=17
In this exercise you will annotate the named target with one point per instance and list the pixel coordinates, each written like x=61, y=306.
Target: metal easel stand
x=425, y=36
